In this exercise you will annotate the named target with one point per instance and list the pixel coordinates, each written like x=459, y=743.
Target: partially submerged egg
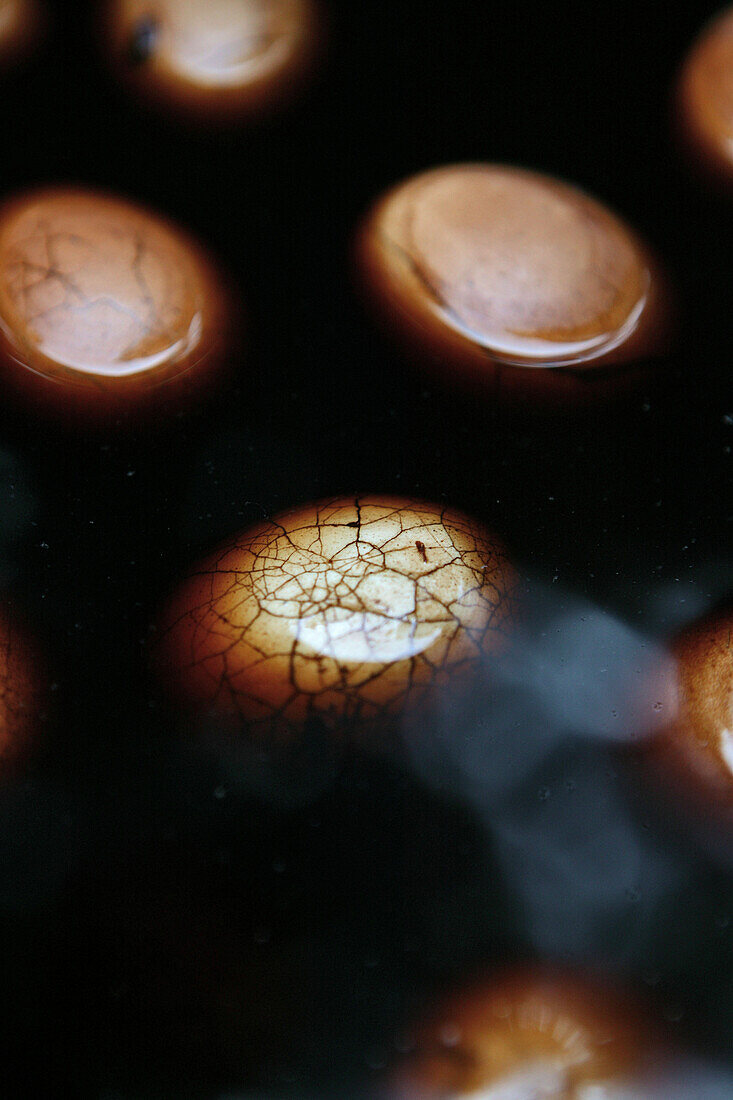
x=22, y=697
x=696, y=748
x=20, y=22
x=210, y=58
x=523, y=1036
x=512, y=280
x=705, y=98
x=347, y=613
x=104, y=304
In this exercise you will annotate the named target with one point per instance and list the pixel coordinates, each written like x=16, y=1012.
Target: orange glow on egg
x=103, y=304
x=705, y=98
x=695, y=750
x=348, y=612
x=22, y=698
x=213, y=59
x=20, y=23
x=513, y=282
x=523, y=1036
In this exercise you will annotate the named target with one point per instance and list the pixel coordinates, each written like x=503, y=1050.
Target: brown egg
x=22, y=697
x=213, y=57
x=696, y=748
x=348, y=612
x=512, y=280
x=523, y=1036
x=705, y=98
x=20, y=22
x=103, y=304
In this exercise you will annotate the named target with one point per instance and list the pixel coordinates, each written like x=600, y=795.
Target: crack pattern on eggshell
x=98, y=293
x=348, y=611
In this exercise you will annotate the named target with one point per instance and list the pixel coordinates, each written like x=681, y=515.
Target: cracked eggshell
x=105, y=305
x=527, y=1033
x=705, y=99
x=695, y=751
x=346, y=613
x=513, y=282
x=212, y=59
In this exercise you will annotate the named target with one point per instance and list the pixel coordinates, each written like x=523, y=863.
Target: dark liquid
x=169, y=930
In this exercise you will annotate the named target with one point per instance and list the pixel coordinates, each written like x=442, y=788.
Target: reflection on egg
x=696, y=749
x=22, y=698
x=103, y=304
x=514, y=280
x=705, y=98
x=523, y=1035
x=212, y=58
x=347, y=612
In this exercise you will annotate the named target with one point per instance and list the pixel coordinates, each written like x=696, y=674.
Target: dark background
x=165, y=932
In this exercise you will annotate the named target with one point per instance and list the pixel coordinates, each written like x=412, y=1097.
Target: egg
x=212, y=58
x=705, y=98
x=22, y=695
x=20, y=23
x=348, y=613
x=525, y=1034
x=512, y=281
x=695, y=749
x=104, y=304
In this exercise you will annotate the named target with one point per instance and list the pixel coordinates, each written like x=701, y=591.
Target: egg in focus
x=512, y=281
x=348, y=613
x=104, y=304
x=213, y=58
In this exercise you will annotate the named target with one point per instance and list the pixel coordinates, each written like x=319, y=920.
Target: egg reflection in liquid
x=523, y=1036
x=345, y=614
x=103, y=304
x=213, y=58
x=513, y=281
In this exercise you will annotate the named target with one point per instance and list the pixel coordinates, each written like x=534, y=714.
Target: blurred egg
x=347, y=613
x=705, y=98
x=22, y=697
x=20, y=21
x=696, y=748
x=528, y=1035
x=513, y=281
x=212, y=58
x=104, y=304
